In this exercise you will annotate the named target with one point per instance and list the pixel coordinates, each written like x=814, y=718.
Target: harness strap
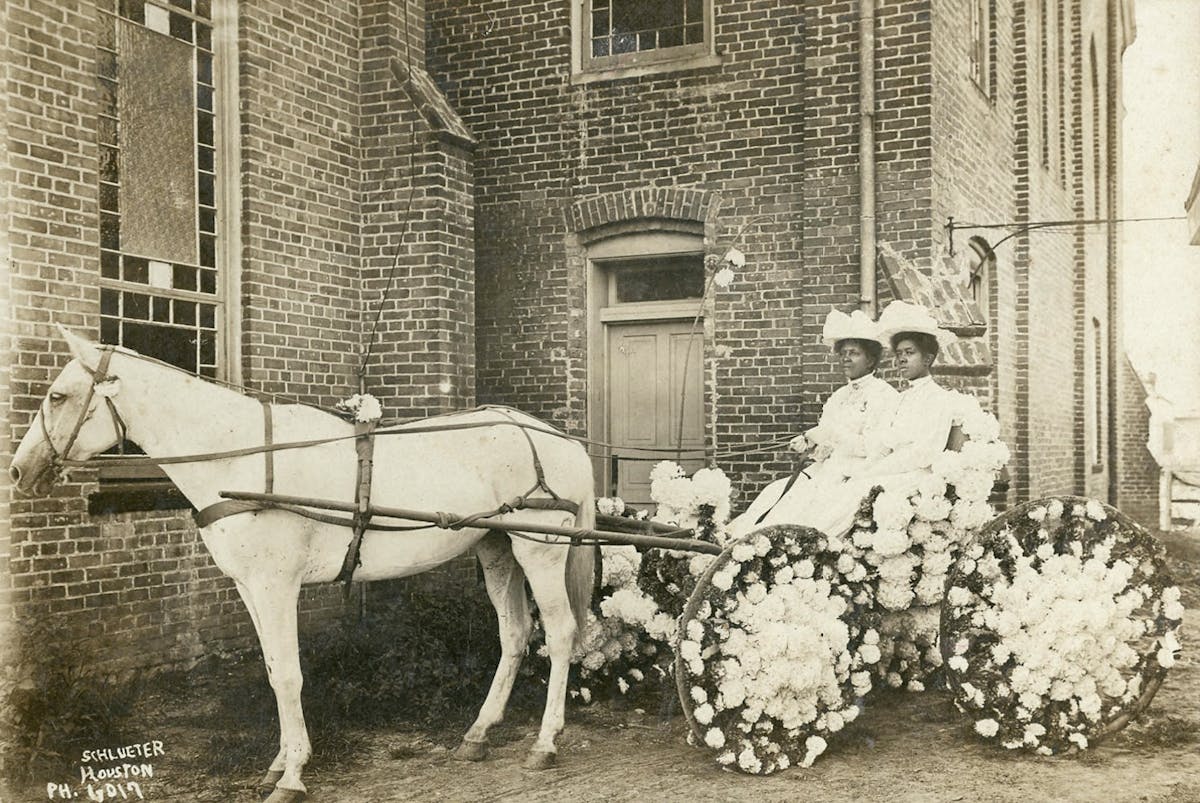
x=364, y=445
x=539, y=472
x=268, y=452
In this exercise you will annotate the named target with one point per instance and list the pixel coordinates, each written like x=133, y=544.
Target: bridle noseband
x=60, y=459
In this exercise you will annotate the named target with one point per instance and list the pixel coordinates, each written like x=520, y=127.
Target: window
x=166, y=272
x=158, y=222
x=615, y=37
x=1098, y=138
x=981, y=262
x=980, y=45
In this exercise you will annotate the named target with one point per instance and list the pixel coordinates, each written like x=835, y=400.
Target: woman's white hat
x=901, y=316
x=855, y=326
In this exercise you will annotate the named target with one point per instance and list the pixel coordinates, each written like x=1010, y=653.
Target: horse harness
x=99, y=377
x=361, y=520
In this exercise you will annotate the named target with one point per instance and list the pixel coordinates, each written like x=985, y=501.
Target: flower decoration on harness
x=361, y=407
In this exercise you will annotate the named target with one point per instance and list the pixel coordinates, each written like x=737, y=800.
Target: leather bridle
x=100, y=375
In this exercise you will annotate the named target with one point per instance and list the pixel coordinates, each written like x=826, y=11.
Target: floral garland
x=642, y=594
x=775, y=650
x=911, y=534
x=1059, y=625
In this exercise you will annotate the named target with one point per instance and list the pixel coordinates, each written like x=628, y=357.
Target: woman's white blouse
x=919, y=429
x=855, y=417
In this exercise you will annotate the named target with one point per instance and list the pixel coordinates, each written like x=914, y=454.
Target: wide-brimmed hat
x=901, y=316
x=855, y=326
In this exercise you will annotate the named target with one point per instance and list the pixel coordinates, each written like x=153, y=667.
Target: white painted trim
x=651, y=311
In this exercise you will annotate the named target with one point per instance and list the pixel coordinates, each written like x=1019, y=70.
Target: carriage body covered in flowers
x=786, y=633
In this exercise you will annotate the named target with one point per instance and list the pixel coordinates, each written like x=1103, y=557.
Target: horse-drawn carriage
x=527, y=490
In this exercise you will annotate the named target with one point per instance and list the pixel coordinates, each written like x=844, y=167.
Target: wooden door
x=646, y=364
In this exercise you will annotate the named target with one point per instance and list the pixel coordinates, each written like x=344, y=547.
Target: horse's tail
x=581, y=566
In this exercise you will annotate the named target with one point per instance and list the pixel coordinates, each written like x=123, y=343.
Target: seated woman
x=850, y=429
x=918, y=430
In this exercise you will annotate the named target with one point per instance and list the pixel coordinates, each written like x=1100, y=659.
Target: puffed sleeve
x=924, y=442
x=825, y=431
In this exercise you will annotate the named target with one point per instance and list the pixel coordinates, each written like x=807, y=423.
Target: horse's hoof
x=471, y=750
x=267, y=785
x=540, y=760
x=281, y=795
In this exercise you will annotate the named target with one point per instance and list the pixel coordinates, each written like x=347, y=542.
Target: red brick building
x=547, y=177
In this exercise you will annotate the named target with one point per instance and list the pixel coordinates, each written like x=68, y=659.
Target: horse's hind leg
x=506, y=587
x=274, y=604
x=545, y=566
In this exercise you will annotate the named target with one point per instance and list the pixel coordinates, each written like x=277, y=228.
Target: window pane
x=157, y=162
x=659, y=278
x=136, y=306
x=168, y=343
x=184, y=278
x=136, y=270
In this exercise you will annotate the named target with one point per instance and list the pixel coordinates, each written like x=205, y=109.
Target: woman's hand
x=821, y=452
x=800, y=444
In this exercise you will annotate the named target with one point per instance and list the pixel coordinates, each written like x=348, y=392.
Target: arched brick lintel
x=669, y=203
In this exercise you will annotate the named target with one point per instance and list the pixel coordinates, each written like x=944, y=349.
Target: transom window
x=664, y=278
x=160, y=282
x=629, y=33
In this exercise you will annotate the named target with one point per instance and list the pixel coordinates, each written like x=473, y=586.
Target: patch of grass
x=1169, y=731
x=62, y=702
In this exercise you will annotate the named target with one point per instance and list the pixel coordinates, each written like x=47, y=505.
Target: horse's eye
x=57, y=398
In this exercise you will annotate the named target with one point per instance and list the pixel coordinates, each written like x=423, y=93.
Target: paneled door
x=645, y=385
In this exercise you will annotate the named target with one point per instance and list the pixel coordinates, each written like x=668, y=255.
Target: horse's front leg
x=506, y=588
x=545, y=566
x=273, y=606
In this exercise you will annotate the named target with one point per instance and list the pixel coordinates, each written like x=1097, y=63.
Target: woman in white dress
x=851, y=428
x=919, y=429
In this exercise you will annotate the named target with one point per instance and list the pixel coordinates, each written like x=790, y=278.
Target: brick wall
x=1138, y=473
x=548, y=144
x=321, y=130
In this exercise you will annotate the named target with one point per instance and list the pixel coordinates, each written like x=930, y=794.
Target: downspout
x=866, y=156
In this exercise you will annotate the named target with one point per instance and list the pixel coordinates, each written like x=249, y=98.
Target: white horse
x=270, y=553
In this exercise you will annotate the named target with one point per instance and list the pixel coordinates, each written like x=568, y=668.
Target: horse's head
x=77, y=419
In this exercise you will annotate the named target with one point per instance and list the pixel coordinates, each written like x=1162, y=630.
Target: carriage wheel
x=773, y=581
x=1045, y=536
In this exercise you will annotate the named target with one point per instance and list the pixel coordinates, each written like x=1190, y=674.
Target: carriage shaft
x=490, y=523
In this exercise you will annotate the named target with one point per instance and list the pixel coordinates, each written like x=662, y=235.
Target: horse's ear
x=81, y=348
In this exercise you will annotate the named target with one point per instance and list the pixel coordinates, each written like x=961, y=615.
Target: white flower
x=957, y=663
x=987, y=727
x=735, y=258
x=623, y=685
x=749, y=761
x=586, y=694
x=958, y=596
x=1095, y=510
x=814, y=746
x=1079, y=740
x=703, y=714
x=723, y=277
x=1055, y=509
x=714, y=738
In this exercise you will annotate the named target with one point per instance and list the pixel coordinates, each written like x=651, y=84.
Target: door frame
x=681, y=240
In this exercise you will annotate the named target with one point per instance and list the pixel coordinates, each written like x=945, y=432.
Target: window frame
x=586, y=68
x=125, y=487
x=981, y=39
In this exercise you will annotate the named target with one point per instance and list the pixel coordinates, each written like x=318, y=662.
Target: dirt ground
x=905, y=747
